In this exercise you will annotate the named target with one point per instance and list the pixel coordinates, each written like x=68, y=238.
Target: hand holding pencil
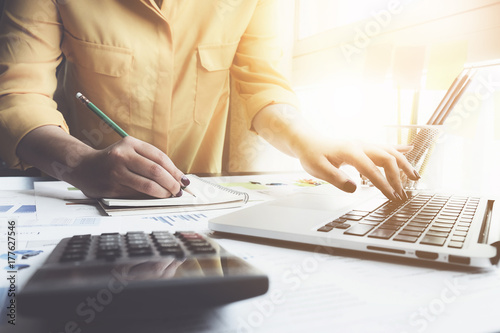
x=130, y=167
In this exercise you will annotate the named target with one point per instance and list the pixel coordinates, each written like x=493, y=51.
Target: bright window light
x=317, y=16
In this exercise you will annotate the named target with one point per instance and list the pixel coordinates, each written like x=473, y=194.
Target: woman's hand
x=283, y=127
x=130, y=168
x=323, y=158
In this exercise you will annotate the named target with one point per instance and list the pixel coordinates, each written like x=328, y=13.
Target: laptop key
x=374, y=219
x=325, y=228
x=433, y=240
x=417, y=224
x=369, y=222
x=332, y=224
x=410, y=228
x=359, y=230
x=456, y=244
x=441, y=229
x=406, y=238
x=437, y=233
x=382, y=233
x=390, y=226
x=351, y=217
x=410, y=233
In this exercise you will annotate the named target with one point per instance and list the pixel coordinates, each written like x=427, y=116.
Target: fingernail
x=405, y=196
x=185, y=181
x=398, y=197
x=415, y=172
x=179, y=194
x=349, y=186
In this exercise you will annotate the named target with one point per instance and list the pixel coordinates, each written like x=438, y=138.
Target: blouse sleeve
x=30, y=38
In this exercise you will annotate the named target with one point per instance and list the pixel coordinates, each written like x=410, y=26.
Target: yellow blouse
x=162, y=74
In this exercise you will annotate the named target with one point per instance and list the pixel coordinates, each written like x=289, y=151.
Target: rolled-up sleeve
x=255, y=68
x=30, y=38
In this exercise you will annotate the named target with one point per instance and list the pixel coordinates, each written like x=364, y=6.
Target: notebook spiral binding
x=223, y=188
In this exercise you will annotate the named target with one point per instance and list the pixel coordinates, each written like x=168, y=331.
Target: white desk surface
x=311, y=290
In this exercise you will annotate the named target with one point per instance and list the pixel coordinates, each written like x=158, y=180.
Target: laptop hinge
x=485, y=226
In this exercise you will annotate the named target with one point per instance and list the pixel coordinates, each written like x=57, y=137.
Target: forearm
x=283, y=127
x=53, y=151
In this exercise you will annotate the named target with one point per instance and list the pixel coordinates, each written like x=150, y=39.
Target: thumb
x=328, y=172
x=403, y=148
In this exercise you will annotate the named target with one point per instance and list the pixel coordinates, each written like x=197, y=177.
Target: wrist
x=53, y=151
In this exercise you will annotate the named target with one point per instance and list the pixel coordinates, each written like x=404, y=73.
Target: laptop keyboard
x=431, y=219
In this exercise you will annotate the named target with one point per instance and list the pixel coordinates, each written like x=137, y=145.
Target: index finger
x=160, y=167
x=156, y=155
x=368, y=168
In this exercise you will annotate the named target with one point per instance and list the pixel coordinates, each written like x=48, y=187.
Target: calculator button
x=75, y=251
x=138, y=246
x=72, y=257
x=168, y=245
x=134, y=233
x=77, y=246
x=81, y=237
x=108, y=247
x=108, y=255
x=156, y=234
x=198, y=245
x=79, y=241
x=172, y=252
x=140, y=252
x=163, y=237
x=204, y=249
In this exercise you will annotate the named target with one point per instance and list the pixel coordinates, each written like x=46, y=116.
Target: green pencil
x=101, y=114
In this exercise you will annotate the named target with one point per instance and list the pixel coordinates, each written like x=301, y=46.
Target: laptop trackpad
x=314, y=201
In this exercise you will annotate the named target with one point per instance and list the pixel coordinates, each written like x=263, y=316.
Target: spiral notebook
x=204, y=195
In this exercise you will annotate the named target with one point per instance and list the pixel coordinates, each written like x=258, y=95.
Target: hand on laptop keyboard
x=325, y=158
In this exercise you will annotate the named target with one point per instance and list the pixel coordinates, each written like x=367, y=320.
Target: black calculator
x=137, y=274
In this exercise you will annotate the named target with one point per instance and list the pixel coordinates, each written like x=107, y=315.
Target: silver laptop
x=448, y=228
x=439, y=227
